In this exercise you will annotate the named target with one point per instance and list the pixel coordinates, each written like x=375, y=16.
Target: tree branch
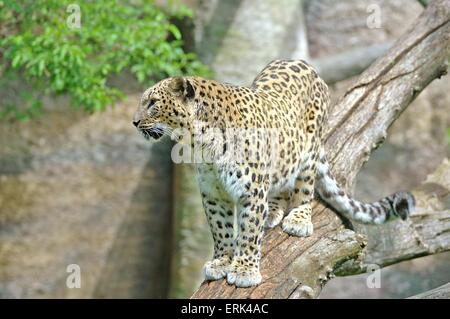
x=442, y=292
x=295, y=267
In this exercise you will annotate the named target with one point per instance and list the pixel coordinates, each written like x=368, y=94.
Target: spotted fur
x=288, y=98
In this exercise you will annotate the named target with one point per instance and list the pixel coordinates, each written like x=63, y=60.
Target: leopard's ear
x=181, y=86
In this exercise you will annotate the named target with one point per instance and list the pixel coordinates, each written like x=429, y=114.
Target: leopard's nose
x=136, y=123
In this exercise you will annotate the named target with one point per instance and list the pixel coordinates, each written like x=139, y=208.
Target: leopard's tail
x=398, y=205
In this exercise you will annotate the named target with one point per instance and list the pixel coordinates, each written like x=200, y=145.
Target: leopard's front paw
x=274, y=219
x=298, y=222
x=217, y=268
x=244, y=276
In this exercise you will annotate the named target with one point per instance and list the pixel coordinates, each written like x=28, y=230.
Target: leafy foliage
x=40, y=43
x=448, y=137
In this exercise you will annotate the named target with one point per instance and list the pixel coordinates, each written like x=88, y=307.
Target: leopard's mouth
x=153, y=133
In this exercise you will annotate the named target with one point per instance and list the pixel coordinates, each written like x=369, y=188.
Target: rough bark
x=442, y=292
x=295, y=267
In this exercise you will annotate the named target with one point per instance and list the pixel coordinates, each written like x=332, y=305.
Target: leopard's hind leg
x=298, y=221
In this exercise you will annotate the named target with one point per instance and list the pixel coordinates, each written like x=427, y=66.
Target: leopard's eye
x=151, y=103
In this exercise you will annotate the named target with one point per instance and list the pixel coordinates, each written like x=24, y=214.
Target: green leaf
x=174, y=30
x=16, y=61
x=54, y=58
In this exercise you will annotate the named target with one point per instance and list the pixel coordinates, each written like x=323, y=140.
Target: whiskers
x=156, y=131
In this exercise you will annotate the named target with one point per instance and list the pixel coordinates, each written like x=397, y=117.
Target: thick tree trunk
x=295, y=267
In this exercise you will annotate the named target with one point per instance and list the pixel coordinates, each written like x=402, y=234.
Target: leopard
x=276, y=176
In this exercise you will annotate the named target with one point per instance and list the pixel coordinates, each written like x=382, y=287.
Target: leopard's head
x=165, y=106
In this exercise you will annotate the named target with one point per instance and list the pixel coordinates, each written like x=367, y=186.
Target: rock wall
x=80, y=189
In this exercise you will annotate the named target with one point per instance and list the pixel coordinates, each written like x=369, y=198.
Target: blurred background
x=79, y=185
